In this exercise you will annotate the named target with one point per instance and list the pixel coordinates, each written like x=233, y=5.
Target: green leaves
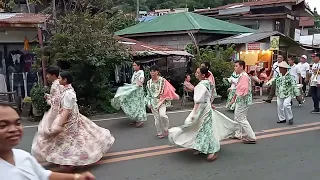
x=219, y=59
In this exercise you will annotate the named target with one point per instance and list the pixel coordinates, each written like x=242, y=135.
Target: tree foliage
x=86, y=42
x=219, y=58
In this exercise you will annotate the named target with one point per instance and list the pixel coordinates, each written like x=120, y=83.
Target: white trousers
x=161, y=119
x=244, y=129
x=284, y=108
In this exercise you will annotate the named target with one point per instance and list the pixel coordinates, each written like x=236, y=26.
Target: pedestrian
x=233, y=80
x=295, y=72
x=286, y=89
x=204, y=127
x=243, y=101
x=52, y=100
x=131, y=97
x=304, y=68
x=315, y=83
x=16, y=164
x=159, y=95
x=74, y=140
x=274, y=73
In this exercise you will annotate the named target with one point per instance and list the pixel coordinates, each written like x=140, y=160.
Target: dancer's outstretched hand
x=87, y=176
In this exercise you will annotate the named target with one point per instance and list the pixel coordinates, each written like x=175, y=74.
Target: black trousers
x=304, y=87
x=315, y=93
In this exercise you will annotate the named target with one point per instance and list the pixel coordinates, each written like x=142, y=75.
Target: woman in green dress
x=131, y=97
x=204, y=127
x=233, y=80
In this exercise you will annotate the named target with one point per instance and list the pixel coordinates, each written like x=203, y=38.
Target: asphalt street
x=282, y=151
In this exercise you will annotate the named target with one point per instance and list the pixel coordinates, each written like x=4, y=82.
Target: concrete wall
x=11, y=36
x=172, y=41
x=264, y=25
x=304, y=32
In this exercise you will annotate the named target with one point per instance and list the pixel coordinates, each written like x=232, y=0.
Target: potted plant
x=39, y=104
x=26, y=107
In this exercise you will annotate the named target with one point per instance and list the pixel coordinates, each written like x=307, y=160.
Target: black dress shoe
x=290, y=121
x=284, y=121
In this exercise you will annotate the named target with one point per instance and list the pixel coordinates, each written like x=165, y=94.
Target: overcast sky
x=314, y=3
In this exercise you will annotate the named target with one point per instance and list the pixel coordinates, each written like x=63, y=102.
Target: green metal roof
x=185, y=21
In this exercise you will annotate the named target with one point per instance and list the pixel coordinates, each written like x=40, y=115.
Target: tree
x=86, y=42
x=219, y=58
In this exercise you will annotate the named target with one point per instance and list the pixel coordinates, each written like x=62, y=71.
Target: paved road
x=283, y=152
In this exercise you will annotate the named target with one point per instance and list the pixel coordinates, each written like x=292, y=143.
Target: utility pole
x=138, y=9
x=54, y=12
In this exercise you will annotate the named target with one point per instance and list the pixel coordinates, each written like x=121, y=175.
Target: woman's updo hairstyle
x=138, y=63
x=205, y=71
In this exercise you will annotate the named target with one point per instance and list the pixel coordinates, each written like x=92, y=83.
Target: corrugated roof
x=23, y=18
x=243, y=38
x=138, y=47
x=251, y=3
x=184, y=21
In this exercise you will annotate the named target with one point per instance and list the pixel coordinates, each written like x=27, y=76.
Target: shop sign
x=274, y=43
x=253, y=46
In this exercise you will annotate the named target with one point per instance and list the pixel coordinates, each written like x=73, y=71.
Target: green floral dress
x=233, y=80
x=131, y=98
x=204, y=127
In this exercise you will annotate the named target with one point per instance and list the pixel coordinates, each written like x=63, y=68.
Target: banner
x=274, y=43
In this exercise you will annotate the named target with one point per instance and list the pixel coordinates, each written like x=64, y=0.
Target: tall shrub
x=219, y=58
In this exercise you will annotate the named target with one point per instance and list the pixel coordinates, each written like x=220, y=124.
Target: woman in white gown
x=204, y=127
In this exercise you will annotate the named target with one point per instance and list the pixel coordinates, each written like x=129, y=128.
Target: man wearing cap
x=304, y=67
x=286, y=89
x=315, y=83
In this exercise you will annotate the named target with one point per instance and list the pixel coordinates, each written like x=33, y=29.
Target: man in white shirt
x=315, y=83
x=304, y=67
x=295, y=72
x=274, y=73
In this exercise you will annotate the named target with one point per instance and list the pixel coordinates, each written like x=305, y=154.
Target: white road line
x=149, y=114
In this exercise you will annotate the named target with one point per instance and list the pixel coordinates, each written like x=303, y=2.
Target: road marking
x=222, y=143
x=170, y=151
x=149, y=114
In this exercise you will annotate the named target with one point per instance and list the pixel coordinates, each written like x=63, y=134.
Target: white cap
x=304, y=57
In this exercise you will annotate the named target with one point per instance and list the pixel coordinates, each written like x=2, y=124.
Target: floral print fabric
x=78, y=142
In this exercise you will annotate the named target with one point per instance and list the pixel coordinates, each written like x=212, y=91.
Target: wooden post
x=43, y=61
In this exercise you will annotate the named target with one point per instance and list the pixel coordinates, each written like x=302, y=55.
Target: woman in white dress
x=204, y=127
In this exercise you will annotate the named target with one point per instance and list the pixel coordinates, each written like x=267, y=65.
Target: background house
x=180, y=29
x=263, y=15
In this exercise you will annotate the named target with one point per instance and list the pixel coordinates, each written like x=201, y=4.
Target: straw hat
x=284, y=64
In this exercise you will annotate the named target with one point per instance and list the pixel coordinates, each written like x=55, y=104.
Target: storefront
x=19, y=34
x=261, y=49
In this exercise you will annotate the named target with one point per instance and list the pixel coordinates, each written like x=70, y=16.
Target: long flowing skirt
x=204, y=132
x=229, y=105
x=131, y=99
x=81, y=142
x=47, y=120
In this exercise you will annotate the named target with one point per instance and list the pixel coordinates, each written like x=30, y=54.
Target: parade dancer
x=16, y=164
x=243, y=100
x=211, y=79
x=286, y=89
x=52, y=99
x=233, y=80
x=131, y=98
x=204, y=127
x=74, y=140
x=159, y=95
